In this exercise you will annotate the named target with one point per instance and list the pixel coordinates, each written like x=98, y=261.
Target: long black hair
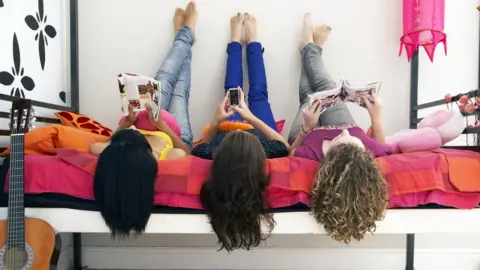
x=124, y=183
x=234, y=196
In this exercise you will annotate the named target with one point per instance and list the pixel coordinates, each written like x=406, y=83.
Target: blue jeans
x=174, y=75
x=315, y=78
x=257, y=94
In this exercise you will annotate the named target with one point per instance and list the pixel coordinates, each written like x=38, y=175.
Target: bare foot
x=320, y=34
x=191, y=15
x=307, y=32
x=250, y=28
x=236, y=23
x=178, y=19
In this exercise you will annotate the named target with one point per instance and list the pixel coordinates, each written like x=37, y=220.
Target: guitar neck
x=16, y=209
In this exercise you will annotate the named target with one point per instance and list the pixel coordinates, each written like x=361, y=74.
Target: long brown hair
x=234, y=196
x=349, y=193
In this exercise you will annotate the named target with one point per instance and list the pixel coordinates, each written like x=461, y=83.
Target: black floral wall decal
x=63, y=96
x=44, y=30
x=7, y=78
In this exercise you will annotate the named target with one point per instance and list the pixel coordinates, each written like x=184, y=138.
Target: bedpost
x=477, y=117
x=75, y=104
x=410, y=262
x=74, y=84
x=410, y=252
x=77, y=251
x=414, y=90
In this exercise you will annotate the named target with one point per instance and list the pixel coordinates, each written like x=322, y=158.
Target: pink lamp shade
x=423, y=25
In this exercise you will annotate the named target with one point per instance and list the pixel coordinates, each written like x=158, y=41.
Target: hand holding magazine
x=345, y=92
x=138, y=90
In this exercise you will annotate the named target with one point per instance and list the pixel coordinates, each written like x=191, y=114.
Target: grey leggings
x=315, y=78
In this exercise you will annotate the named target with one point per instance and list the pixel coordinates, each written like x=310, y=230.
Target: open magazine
x=345, y=92
x=138, y=90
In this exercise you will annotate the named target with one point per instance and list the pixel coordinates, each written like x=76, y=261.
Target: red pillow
x=80, y=121
x=280, y=125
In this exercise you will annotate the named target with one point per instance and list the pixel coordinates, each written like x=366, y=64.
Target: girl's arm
x=126, y=124
x=310, y=120
x=177, y=141
x=377, y=129
x=246, y=114
x=299, y=139
x=211, y=132
x=129, y=119
x=97, y=148
x=220, y=116
x=162, y=126
x=269, y=132
x=375, y=110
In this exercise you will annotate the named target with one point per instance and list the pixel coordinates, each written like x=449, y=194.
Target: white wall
x=134, y=36
x=53, y=78
x=120, y=36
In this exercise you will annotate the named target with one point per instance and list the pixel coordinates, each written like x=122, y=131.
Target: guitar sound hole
x=16, y=258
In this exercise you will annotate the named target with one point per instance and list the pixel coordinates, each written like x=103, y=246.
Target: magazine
x=345, y=92
x=138, y=90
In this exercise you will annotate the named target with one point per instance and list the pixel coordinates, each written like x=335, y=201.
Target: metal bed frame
x=414, y=120
x=74, y=93
x=74, y=107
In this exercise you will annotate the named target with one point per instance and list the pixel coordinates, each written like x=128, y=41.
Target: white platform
x=401, y=221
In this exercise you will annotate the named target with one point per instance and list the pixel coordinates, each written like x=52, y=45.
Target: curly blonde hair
x=349, y=193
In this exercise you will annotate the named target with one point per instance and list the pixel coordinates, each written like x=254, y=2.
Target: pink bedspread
x=414, y=179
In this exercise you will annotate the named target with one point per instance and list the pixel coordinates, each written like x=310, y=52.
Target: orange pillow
x=44, y=140
x=71, y=119
x=37, y=142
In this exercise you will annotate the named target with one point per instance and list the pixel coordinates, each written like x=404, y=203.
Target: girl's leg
x=257, y=94
x=184, y=24
x=304, y=90
x=320, y=80
x=234, y=72
x=179, y=100
x=168, y=72
x=314, y=71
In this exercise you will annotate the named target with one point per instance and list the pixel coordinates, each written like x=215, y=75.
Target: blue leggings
x=257, y=94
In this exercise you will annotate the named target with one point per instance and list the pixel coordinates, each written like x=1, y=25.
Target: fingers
x=225, y=100
x=374, y=95
x=366, y=100
x=130, y=109
x=230, y=113
x=149, y=112
x=242, y=95
x=317, y=108
x=314, y=106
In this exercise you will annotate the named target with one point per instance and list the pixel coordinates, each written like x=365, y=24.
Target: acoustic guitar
x=26, y=243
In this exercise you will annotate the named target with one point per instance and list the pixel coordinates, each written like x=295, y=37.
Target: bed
x=68, y=214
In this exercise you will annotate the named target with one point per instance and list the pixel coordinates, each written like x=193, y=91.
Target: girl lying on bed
x=233, y=197
x=127, y=165
x=349, y=193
